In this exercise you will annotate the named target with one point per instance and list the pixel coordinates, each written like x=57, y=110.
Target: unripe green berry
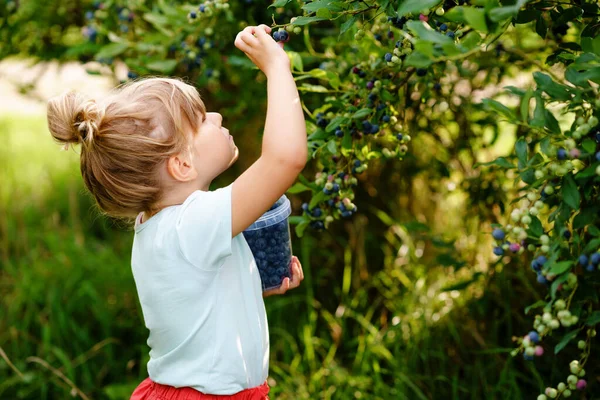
x=552, y=393
x=581, y=344
x=544, y=239
x=526, y=219
x=539, y=174
x=581, y=373
x=297, y=30
x=440, y=11
x=538, y=204
x=593, y=121
x=580, y=121
x=554, y=324
x=530, y=351
x=549, y=190
x=534, y=211
x=560, y=304
x=545, y=248
x=561, y=386
x=542, y=397
x=572, y=380
x=567, y=393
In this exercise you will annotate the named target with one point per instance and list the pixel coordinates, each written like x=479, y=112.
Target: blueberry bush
x=410, y=105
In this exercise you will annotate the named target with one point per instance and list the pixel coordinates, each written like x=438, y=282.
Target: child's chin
x=236, y=154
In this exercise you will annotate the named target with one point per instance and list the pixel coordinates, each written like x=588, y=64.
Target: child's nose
x=217, y=116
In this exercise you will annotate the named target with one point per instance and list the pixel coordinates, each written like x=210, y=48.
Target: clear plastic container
x=270, y=242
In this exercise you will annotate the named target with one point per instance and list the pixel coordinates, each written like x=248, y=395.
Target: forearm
x=285, y=128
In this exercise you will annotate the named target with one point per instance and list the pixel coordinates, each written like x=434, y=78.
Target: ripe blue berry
x=357, y=163
x=498, y=251
x=583, y=259
x=498, y=234
x=378, y=37
x=339, y=133
x=367, y=126
x=450, y=34
x=316, y=212
x=89, y=15
x=541, y=260
x=388, y=57
x=534, y=336
x=336, y=188
x=381, y=107
x=362, y=74
x=542, y=279
x=304, y=206
x=443, y=27
x=370, y=85
x=595, y=259
x=590, y=268
x=193, y=15
x=527, y=357
x=132, y=75
x=322, y=122
x=561, y=154
x=202, y=8
x=284, y=36
x=318, y=225
x=374, y=129
x=535, y=266
x=421, y=72
x=385, y=118
x=399, y=136
x=598, y=156
x=276, y=36
x=567, y=234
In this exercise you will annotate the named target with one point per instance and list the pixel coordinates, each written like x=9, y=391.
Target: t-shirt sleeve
x=204, y=228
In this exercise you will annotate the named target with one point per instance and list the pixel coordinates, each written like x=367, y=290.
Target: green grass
x=361, y=325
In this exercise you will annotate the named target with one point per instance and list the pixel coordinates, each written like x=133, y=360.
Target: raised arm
x=284, y=148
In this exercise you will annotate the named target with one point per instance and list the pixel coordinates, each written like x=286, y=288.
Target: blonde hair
x=126, y=138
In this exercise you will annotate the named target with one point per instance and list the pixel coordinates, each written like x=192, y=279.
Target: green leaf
x=160, y=22
x=536, y=227
x=554, y=89
x=332, y=147
x=296, y=61
x=164, y=66
x=112, y=50
x=415, y=6
x=279, y=3
x=418, y=59
x=330, y=5
x=521, y=150
x=472, y=40
x=594, y=231
x=348, y=24
x=298, y=187
x=363, y=112
x=301, y=227
x=424, y=31
x=500, y=161
x=317, y=198
x=462, y=284
x=456, y=14
x=541, y=26
x=501, y=13
x=337, y=121
x=587, y=172
x=324, y=13
x=551, y=122
x=565, y=340
x=501, y=108
x=346, y=143
x=525, y=105
x=539, y=115
x=570, y=192
x=476, y=18
x=593, y=319
x=300, y=21
x=306, y=87
x=589, y=145
x=560, y=267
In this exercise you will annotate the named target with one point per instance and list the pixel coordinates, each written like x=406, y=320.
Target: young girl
x=150, y=151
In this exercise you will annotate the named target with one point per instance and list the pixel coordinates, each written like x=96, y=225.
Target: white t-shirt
x=201, y=297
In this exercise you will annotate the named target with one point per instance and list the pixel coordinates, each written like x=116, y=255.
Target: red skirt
x=148, y=390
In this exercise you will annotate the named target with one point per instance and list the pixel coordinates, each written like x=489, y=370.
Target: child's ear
x=181, y=168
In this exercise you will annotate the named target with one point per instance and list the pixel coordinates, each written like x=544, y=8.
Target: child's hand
x=297, y=277
x=262, y=49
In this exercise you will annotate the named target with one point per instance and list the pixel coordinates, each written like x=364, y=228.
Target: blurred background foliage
x=402, y=301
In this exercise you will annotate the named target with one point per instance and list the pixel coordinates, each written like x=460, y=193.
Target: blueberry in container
x=270, y=242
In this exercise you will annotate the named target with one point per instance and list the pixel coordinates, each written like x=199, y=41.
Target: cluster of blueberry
x=575, y=381
x=590, y=263
x=272, y=252
x=271, y=247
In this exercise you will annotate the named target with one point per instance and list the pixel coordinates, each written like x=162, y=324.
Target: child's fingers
x=242, y=45
x=262, y=29
x=249, y=39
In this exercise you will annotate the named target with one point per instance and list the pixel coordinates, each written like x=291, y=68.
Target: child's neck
x=176, y=195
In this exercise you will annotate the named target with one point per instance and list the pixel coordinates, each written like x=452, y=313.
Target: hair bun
x=72, y=118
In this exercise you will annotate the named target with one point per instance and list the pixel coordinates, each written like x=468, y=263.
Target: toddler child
x=149, y=152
